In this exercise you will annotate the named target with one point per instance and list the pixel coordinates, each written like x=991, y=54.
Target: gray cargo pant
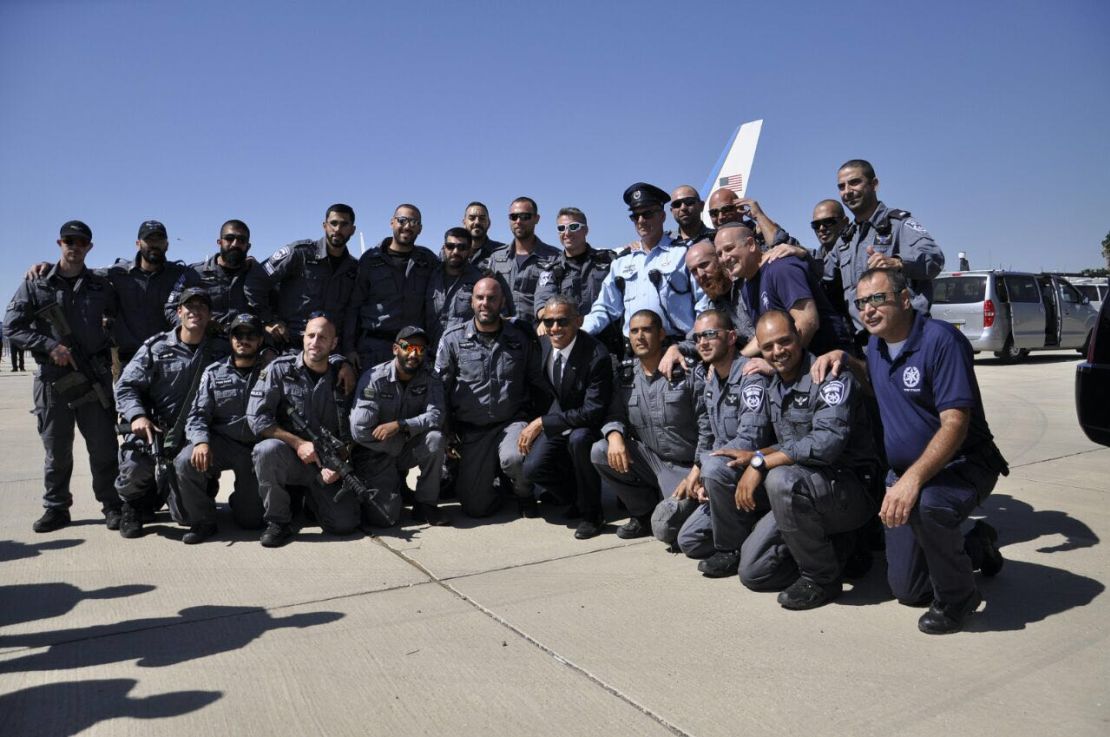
x=190, y=503
x=481, y=451
x=385, y=465
x=648, y=480
x=277, y=467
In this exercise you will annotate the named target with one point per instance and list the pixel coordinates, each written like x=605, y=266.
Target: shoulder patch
x=753, y=396
x=915, y=226
x=833, y=392
x=368, y=392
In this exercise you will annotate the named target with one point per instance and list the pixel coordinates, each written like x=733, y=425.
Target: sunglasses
x=570, y=227
x=550, y=322
x=79, y=242
x=455, y=246
x=824, y=223
x=726, y=210
x=711, y=334
x=522, y=216
x=413, y=349
x=684, y=202
x=245, y=335
x=404, y=220
x=875, y=300
x=644, y=214
x=232, y=237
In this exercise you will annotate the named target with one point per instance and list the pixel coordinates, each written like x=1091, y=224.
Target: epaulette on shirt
x=622, y=252
x=604, y=256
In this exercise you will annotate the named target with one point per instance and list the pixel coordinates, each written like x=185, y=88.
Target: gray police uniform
x=418, y=405
x=448, y=302
x=523, y=278
x=143, y=296
x=824, y=429
x=704, y=234
x=154, y=384
x=738, y=418
x=656, y=280
x=480, y=257
x=732, y=304
x=896, y=234
x=84, y=302
x=580, y=279
x=247, y=289
x=218, y=417
x=661, y=421
x=305, y=279
x=388, y=296
x=493, y=384
x=287, y=381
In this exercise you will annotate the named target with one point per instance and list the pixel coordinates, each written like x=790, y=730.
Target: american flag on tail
x=734, y=182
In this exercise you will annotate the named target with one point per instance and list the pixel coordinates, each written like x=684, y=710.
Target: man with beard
x=154, y=394
x=556, y=445
x=476, y=222
x=450, y=287
x=220, y=439
x=686, y=209
x=312, y=276
x=649, y=441
x=519, y=263
x=307, y=382
x=390, y=290
x=234, y=282
x=494, y=383
x=66, y=393
x=817, y=475
x=738, y=424
x=785, y=284
x=651, y=274
x=881, y=238
x=397, y=421
x=578, y=272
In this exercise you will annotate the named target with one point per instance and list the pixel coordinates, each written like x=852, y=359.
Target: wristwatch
x=759, y=462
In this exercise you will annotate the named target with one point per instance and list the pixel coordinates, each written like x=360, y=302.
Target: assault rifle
x=88, y=382
x=332, y=454
x=165, y=475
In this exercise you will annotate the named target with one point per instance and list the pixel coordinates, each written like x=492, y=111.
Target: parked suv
x=1092, y=383
x=1093, y=288
x=1011, y=313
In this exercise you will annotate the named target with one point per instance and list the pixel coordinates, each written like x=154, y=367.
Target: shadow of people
x=13, y=550
x=28, y=602
x=1029, y=592
x=64, y=709
x=199, y=631
x=1017, y=521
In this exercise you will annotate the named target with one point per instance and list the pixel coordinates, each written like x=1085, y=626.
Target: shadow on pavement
x=12, y=550
x=64, y=709
x=29, y=602
x=216, y=629
x=1017, y=521
x=1024, y=593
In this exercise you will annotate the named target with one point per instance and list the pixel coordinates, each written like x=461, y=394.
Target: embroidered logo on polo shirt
x=911, y=377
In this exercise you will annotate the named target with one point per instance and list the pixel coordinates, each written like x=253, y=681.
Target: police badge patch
x=271, y=262
x=753, y=397
x=368, y=392
x=545, y=278
x=914, y=225
x=833, y=392
x=911, y=377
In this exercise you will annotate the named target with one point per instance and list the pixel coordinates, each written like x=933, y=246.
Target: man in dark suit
x=557, y=445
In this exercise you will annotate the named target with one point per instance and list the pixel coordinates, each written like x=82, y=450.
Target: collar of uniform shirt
x=664, y=242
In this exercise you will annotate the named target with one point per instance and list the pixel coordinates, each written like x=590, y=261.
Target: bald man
x=686, y=208
x=725, y=206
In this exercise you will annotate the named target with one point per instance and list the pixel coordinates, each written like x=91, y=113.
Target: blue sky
x=988, y=120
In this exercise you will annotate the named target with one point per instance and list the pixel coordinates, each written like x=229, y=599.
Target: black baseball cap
x=411, y=332
x=246, y=320
x=75, y=228
x=151, y=227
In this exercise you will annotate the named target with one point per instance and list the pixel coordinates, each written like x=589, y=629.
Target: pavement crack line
x=1057, y=458
x=580, y=670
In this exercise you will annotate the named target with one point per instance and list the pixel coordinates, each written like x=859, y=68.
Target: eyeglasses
x=449, y=246
x=522, y=216
x=824, y=223
x=644, y=214
x=684, y=202
x=726, y=210
x=413, y=349
x=711, y=334
x=232, y=237
x=404, y=220
x=571, y=227
x=245, y=335
x=875, y=300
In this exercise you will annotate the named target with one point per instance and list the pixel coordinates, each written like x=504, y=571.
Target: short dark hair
x=342, y=209
x=733, y=224
x=458, y=232
x=573, y=212
x=656, y=320
x=239, y=224
x=784, y=315
x=476, y=203
x=723, y=318
x=410, y=207
x=895, y=277
x=530, y=201
x=862, y=164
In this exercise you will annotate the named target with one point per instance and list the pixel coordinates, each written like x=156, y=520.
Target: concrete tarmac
x=512, y=627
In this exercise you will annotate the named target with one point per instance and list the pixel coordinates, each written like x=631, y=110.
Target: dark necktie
x=557, y=371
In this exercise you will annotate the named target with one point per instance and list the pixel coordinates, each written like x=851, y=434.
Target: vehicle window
x=1068, y=293
x=959, y=290
x=1022, y=289
x=1090, y=291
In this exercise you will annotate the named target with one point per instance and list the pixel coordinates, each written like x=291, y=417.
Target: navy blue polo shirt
x=779, y=285
x=934, y=372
